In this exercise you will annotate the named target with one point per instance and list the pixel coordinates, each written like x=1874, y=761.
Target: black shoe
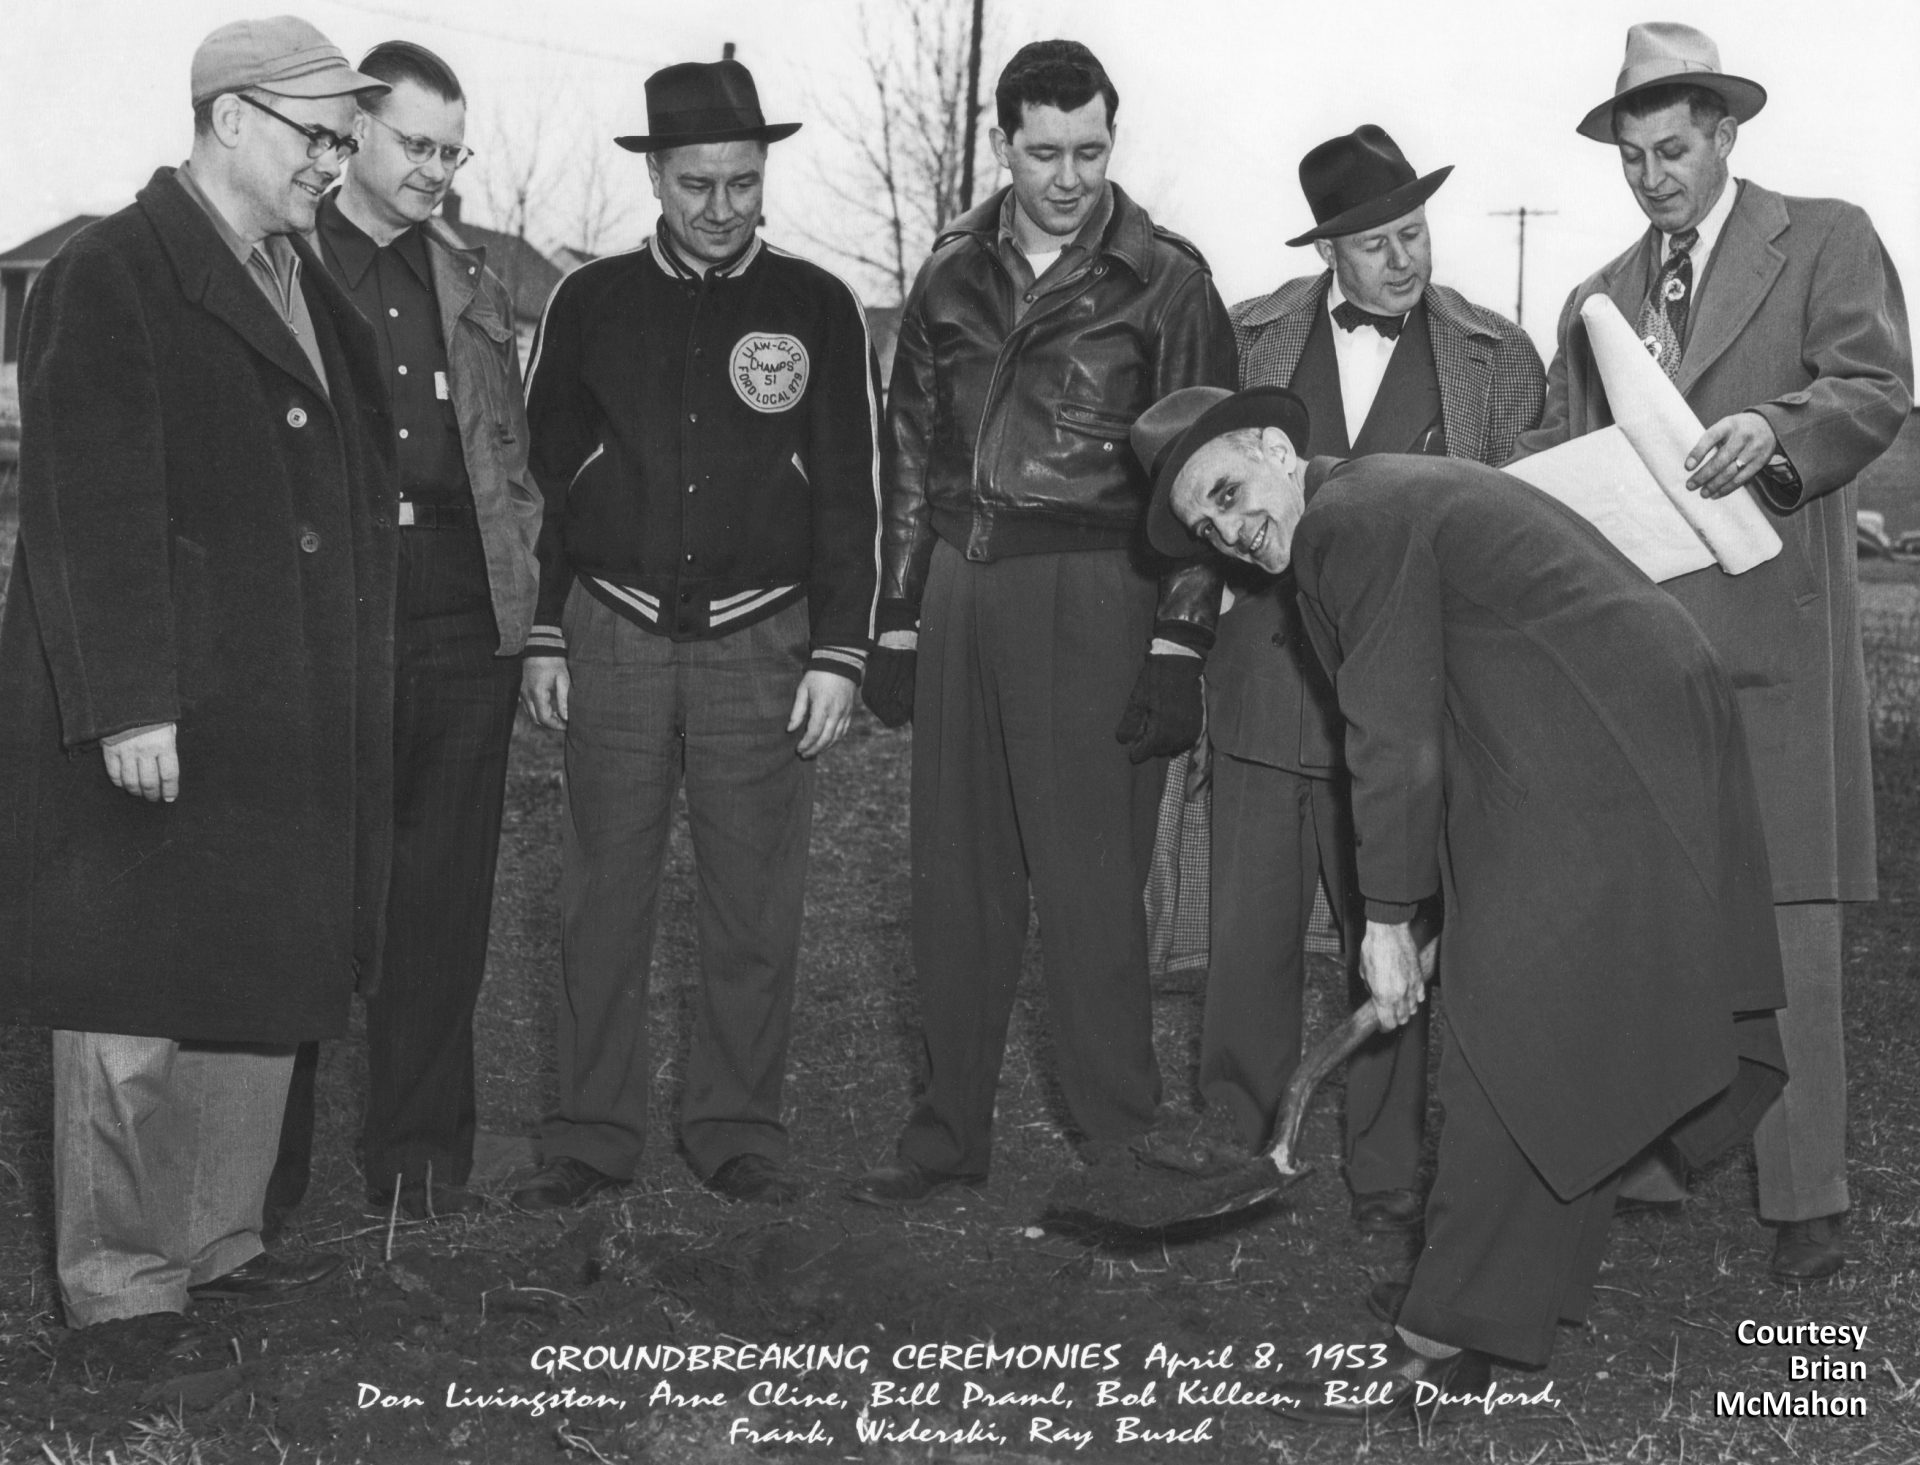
x=1387, y=1212
x=1385, y=1299
x=904, y=1183
x=1807, y=1251
x=269, y=1275
x=1406, y=1385
x=1633, y=1205
x=754, y=1178
x=421, y=1202
x=128, y=1341
x=561, y=1183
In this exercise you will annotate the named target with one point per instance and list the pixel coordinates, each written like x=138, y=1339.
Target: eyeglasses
x=320, y=140
x=419, y=149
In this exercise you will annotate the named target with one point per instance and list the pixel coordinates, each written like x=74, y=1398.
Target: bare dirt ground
x=436, y=1343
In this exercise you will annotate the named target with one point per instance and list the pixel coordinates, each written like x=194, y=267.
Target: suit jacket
x=1799, y=317
x=1267, y=699
x=1539, y=732
x=207, y=538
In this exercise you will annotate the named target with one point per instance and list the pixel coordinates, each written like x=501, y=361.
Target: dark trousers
x=452, y=724
x=1019, y=788
x=1275, y=835
x=647, y=716
x=1505, y=1258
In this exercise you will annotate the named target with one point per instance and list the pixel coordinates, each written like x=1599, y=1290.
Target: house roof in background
x=42, y=247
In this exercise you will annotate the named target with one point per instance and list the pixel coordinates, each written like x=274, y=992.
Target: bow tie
x=1350, y=317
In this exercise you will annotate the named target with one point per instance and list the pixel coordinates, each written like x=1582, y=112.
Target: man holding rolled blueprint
x=1781, y=324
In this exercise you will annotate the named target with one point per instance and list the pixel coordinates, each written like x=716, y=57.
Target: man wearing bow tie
x=1387, y=362
x=1782, y=323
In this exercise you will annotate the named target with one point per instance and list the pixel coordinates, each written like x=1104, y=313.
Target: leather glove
x=887, y=686
x=1165, y=708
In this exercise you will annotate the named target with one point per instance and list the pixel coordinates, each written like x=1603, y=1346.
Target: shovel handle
x=1333, y=1048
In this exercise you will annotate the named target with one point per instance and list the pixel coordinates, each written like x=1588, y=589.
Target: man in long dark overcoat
x=1540, y=735
x=195, y=683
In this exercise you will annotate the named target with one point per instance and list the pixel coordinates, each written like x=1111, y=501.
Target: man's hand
x=887, y=688
x=824, y=704
x=143, y=762
x=544, y=688
x=1730, y=453
x=1165, y=710
x=1395, y=971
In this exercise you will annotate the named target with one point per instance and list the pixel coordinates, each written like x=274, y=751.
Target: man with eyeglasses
x=469, y=514
x=196, y=679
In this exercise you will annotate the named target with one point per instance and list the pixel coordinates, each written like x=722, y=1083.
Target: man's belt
x=434, y=516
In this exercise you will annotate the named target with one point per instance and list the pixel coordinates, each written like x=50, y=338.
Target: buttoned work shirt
x=1067, y=262
x=392, y=286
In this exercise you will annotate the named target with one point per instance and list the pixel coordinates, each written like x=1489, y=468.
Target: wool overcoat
x=206, y=538
x=1537, y=731
x=1799, y=317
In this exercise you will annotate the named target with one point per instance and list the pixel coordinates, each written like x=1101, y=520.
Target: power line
x=414, y=18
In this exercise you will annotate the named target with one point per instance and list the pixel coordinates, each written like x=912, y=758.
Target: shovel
x=1144, y=1208
x=1137, y=1207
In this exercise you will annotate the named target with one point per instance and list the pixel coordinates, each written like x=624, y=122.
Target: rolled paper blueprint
x=1656, y=419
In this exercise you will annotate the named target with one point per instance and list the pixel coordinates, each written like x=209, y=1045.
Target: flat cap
x=281, y=54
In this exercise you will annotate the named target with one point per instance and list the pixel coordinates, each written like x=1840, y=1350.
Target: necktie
x=1350, y=317
x=1663, y=319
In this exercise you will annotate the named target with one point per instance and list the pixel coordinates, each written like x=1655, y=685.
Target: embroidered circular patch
x=769, y=371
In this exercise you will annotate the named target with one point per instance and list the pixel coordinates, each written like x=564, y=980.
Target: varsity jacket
x=706, y=445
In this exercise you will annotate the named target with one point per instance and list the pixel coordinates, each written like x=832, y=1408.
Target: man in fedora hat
x=1387, y=362
x=196, y=679
x=1538, y=735
x=704, y=412
x=1020, y=618
x=1782, y=323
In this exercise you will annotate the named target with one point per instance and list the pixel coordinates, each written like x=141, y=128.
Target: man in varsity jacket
x=703, y=415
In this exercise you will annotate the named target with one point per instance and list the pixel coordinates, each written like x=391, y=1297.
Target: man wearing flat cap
x=196, y=676
x=704, y=412
x=1387, y=362
x=1021, y=618
x=1537, y=734
x=1782, y=322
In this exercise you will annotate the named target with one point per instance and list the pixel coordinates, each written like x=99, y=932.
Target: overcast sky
x=1219, y=99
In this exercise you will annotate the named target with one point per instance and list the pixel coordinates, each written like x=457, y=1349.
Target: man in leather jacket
x=1042, y=324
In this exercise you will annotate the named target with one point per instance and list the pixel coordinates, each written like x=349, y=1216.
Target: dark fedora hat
x=1361, y=181
x=1180, y=424
x=703, y=101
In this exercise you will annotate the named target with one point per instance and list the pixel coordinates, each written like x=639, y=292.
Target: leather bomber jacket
x=1008, y=437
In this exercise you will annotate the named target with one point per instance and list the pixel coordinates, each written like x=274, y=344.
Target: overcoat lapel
x=211, y=276
x=1744, y=266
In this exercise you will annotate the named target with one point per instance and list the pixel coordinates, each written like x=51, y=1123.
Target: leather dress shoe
x=1634, y=1205
x=754, y=1178
x=1406, y=1385
x=903, y=1183
x=561, y=1183
x=1807, y=1251
x=270, y=1274
x=1385, y=1212
x=420, y=1202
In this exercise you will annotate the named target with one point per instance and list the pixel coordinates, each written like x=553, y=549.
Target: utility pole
x=1523, y=213
x=973, y=105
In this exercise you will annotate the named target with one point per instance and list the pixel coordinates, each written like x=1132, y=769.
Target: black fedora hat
x=1181, y=423
x=1361, y=181
x=704, y=101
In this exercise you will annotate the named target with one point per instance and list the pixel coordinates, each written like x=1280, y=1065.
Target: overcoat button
x=296, y=417
x=310, y=542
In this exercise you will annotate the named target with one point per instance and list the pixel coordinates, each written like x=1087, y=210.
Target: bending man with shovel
x=1539, y=734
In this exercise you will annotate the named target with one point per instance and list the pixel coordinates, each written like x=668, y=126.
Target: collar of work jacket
x=1128, y=239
